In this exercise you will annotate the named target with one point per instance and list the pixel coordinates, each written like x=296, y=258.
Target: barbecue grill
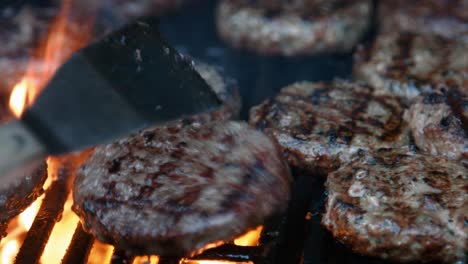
x=294, y=236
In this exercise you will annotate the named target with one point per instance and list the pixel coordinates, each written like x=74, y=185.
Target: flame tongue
x=64, y=38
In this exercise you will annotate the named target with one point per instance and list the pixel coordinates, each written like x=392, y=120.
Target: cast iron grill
x=295, y=236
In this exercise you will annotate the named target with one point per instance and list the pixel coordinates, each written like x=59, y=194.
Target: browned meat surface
x=16, y=197
x=293, y=27
x=173, y=189
x=226, y=89
x=439, y=123
x=322, y=125
x=446, y=18
x=131, y=9
x=400, y=206
x=20, y=34
x=407, y=64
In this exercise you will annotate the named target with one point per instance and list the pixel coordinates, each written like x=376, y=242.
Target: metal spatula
x=127, y=81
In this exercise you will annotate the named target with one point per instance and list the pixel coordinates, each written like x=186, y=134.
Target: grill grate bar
x=3, y=229
x=80, y=247
x=294, y=230
x=49, y=213
x=168, y=260
x=229, y=252
x=121, y=257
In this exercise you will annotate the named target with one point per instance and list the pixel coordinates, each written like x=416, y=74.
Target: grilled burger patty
x=172, y=190
x=439, y=124
x=446, y=18
x=293, y=27
x=129, y=9
x=322, y=125
x=407, y=64
x=401, y=206
x=18, y=196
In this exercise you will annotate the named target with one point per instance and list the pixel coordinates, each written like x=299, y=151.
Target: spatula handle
x=18, y=149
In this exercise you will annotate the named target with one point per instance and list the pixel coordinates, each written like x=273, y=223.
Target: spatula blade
x=127, y=81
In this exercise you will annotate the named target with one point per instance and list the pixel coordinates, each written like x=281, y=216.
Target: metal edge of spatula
x=127, y=81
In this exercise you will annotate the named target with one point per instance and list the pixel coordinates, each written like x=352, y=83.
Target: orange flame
x=250, y=238
x=100, y=253
x=64, y=38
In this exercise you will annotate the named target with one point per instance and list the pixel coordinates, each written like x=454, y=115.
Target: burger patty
x=18, y=196
x=446, y=18
x=322, y=125
x=293, y=27
x=127, y=10
x=439, y=124
x=407, y=64
x=400, y=206
x=172, y=190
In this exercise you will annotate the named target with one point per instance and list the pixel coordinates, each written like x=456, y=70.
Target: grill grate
x=49, y=213
x=279, y=240
x=79, y=248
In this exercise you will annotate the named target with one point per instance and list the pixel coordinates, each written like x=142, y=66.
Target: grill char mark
x=459, y=106
x=319, y=122
x=405, y=46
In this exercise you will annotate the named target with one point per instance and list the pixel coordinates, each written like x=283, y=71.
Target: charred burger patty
x=319, y=126
x=293, y=27
x=408, y=64
x=172, y=190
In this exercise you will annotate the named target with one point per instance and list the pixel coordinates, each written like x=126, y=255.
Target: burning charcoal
x=400, y=206
x=323, y=125
x=407, y=64
x=446, y=18
x=293, y=27
x=182, y=189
